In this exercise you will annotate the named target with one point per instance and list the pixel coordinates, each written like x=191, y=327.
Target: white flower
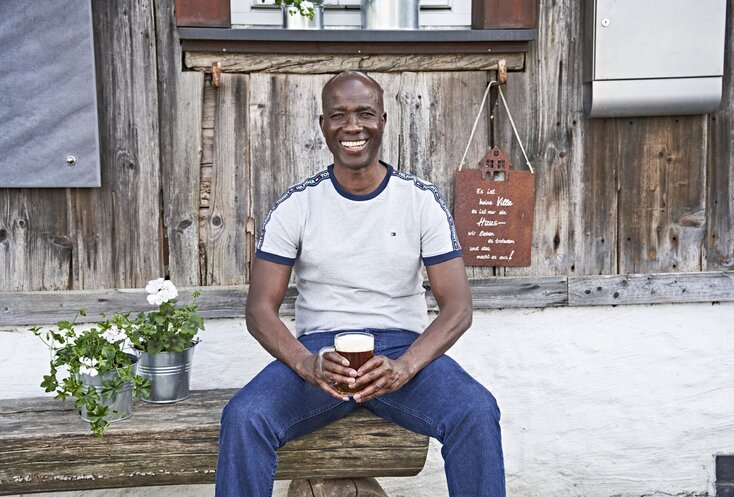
x=114, y=334
x=305, y=5
x=160, y=291
x=88, y=366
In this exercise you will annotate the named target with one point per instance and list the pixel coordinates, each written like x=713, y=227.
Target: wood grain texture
x=36, y=250
x=437, y=111
x=177, y=444
x=180, y=113
x=546, y=102
x=116, y=229
x=651, y=288
x=391, y=84
x=226, y=241
x=286, y=145
x=333, y=63
x=719, y=242
x=662, y=164
x=347, y=487
x=598, y=242
x=37, y=308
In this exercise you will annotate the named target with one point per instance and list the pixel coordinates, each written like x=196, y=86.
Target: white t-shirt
x=358, y=258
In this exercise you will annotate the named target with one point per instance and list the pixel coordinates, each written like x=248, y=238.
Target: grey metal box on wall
x=653, y=57
x=48, y=97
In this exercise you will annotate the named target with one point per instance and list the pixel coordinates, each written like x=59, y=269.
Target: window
x=339, y=14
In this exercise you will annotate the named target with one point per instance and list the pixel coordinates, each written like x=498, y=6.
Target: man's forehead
x=350, y=91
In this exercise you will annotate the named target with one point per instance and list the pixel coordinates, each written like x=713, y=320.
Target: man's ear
x=384, y=117
x=321, y=122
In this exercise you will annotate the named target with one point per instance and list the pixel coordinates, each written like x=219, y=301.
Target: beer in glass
x=356, y=347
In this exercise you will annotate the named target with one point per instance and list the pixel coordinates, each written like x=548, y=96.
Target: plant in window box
x=165, y=339
x=302, y=14
x=94, y=368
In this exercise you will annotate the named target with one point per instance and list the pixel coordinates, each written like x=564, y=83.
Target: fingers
x=377, y=377
x=335, y=369
x=328, y=388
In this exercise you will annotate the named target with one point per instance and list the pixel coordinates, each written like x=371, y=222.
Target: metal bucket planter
x=390, y=14
x=120, y=404
x=169, y=374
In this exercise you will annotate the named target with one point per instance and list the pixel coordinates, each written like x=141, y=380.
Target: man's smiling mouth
x=353, y=145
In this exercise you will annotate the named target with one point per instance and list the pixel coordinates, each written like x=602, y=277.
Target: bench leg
x=344, y=487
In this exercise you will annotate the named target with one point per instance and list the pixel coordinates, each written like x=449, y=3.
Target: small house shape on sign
x=493, y=212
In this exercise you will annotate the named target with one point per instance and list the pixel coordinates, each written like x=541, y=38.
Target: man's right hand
x=336, y=370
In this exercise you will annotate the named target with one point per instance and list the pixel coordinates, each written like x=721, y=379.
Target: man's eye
x=367, y=115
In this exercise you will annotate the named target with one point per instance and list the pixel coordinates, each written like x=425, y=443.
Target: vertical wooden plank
x=597, y=243
x=390, y=83
x=116, y=228
x=437, y=114
x=546, y=102
x=35, y=247
x=180, y=97
x=661, y=194
x=286, y=141
x=719, y=244
x=226, y=244
x=437, y=111
x=205, y=173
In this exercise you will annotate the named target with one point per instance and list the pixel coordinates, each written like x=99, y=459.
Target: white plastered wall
x=624, y=401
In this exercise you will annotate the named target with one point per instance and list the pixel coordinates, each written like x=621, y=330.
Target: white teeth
x=354, y=144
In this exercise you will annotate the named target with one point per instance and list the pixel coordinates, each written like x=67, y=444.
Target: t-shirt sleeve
x=280, y=234
x=439, y=242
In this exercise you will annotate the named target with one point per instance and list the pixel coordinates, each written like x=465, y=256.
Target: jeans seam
x=415, y=414
x=306, y=416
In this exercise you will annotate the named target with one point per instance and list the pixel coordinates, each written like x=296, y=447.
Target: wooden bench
x=44, y=446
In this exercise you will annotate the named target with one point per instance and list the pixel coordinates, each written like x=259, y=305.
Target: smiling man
x=357, y=236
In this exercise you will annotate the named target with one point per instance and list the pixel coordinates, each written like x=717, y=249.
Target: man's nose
x=352, y=123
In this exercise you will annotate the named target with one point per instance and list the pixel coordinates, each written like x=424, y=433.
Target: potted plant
x=302, y=14
x=165, y=339
x=95, y=369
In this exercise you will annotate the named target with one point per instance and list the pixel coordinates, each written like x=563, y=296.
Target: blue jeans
x=441, y=401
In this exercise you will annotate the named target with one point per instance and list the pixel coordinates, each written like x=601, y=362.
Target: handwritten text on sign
x=494, y=219
x=492, y=210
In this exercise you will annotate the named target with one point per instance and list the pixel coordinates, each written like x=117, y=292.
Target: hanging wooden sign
x=493, y=212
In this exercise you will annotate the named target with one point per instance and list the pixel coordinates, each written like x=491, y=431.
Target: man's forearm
x=267, y=328
x=437, y=338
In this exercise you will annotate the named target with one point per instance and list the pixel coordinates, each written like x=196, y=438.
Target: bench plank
x=44, y=446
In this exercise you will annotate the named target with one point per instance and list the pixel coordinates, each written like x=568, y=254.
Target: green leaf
x=49, y=383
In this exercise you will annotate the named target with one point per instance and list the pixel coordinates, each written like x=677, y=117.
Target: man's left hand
x=379, y=376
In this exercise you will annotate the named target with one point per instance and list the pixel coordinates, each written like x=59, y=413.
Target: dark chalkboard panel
x=48, y=100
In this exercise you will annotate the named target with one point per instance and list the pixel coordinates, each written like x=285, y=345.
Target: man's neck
x=360, y=181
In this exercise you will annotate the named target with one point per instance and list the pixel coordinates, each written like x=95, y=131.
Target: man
x=357, y=235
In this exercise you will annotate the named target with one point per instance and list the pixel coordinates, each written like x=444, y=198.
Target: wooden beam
x=323, y=64
x=36, y=308
x=33, y=308
x=177, y=444
x=665, y=288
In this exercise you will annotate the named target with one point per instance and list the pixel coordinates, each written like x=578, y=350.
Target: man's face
x=353, y=122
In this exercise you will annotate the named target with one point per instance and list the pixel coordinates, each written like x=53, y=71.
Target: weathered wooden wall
x=190, y=170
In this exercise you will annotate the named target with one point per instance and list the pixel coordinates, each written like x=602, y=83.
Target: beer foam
x=355, y=342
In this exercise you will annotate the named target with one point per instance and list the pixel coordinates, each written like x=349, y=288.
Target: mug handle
x=321, y=356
